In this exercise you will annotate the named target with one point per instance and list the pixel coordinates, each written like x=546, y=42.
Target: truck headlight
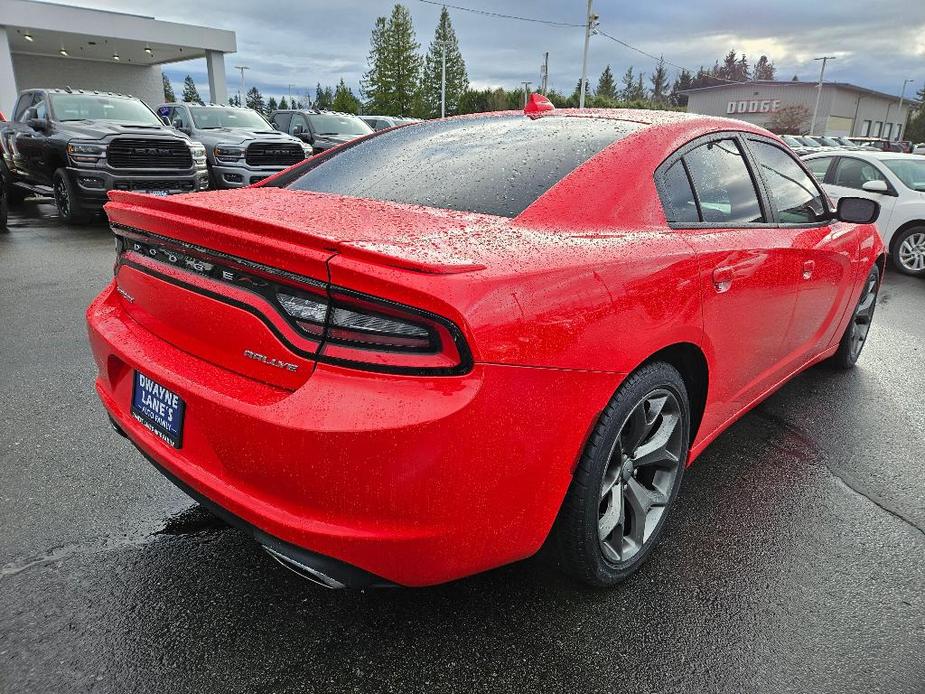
x=85, y=152
x=198, y=152
x=228, y=152
x=306, y=149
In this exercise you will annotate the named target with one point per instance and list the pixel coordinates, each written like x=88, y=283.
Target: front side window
x=298, y=125
x=910, y=171
x=723, y=184
x=674, y=189
x=497, y=165
x=794, y=195
x=22, y=106
x=854, y=173
x=819, y=166
x=41, y=111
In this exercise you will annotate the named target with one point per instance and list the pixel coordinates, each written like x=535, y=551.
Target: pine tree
x=255, y=100
x=764, y=69
x=457, y=80
x=629, y=83
x=606, y=87
x=234, y=100
x=683, y=81
x=169, y=96
x=391, y=83
x=283, y=104
x=190, y=93
x=742, y=70
x=659, y=80
x=271, y=106
x=728, y=69
x=344, y=99
x=324, y=98
x=915, y=129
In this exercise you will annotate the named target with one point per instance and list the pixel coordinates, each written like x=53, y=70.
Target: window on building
x=899, y=130
x=865, y=129
x=878, y=128
x=887, y=130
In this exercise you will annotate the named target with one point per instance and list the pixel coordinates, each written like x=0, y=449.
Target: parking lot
x=794, y=561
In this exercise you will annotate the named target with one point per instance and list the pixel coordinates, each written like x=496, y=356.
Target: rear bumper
x=412, y=480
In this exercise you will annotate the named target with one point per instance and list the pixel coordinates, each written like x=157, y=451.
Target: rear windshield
x=494, y=165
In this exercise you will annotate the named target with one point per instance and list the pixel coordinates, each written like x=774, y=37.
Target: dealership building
x=844, y=109
x=44, y=44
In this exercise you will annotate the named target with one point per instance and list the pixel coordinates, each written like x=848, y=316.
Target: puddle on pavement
x=192, y=520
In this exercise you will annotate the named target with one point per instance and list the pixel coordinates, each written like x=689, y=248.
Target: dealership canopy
x=49, y=45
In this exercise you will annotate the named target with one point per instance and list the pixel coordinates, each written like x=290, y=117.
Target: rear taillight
x=353, y=329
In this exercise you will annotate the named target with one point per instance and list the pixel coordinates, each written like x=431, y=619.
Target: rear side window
x=677, y=195
x=723, y=184
x=794, y=195
x=491, y=165
x=854, y=173
x=819, y=166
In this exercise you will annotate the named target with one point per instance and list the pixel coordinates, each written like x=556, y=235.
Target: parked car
x=897, y=182
x=919, y=148
x=798, y=146
x=322, y=130
x=405, y=361
x=382, y=122
x=883, y=144
x=241, y=146
x=78, y=145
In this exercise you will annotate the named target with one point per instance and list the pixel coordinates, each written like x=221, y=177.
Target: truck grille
x=138, y=153
x=269, y=154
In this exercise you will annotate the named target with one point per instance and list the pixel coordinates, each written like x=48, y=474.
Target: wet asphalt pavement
x=793, y=562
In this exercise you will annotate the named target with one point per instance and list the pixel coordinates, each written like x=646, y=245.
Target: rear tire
x=4, y=207
x=855, y=335
x=908, y=251
x=627, y=479
x=67, y=200
x=14, y=196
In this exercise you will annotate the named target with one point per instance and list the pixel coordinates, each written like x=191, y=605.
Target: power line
x=499, y=15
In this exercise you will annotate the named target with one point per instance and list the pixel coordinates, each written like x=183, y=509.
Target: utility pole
x=526, y=92
x=590, y=27
x=242, y=93
x=544, y=74
x=902, y=95
x=290, y=96
x=443, y=81
x=824, y=59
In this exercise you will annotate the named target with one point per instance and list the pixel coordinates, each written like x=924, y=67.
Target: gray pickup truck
x=241, y=146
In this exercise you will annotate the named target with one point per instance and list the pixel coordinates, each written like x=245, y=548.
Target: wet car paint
x=793, y=562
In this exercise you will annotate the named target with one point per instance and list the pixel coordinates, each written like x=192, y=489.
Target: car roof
x=69, y=90
x=875, y=154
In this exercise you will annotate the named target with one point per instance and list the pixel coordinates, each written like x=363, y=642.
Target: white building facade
x=49, y=45
x=844, y=109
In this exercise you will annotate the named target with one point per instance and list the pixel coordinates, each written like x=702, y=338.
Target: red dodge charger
x=429, y=351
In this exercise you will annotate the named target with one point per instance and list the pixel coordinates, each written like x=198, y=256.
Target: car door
x=826, y=250
x=31, y=143
x=847, y=178
x=748, y=272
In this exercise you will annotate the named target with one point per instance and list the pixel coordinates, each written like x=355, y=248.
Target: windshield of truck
x=337, y=124
x=209, y=117
x=71, y=107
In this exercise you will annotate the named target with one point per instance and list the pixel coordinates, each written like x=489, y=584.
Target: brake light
x=353, y=329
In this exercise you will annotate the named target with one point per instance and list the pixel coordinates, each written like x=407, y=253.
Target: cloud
x=303, y=42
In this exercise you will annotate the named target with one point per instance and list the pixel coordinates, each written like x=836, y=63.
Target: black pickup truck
x=78, y=145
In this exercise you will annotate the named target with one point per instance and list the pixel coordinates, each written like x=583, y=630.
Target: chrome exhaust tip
x=307, y=572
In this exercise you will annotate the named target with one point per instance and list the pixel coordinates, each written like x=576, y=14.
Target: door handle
x=809, y=267
x=722, y=279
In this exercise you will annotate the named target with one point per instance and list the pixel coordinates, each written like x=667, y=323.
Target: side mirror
x=39, y=124
x=165, y=120
x=875, y=187
x=307, y=137
x=858, y=210
x=178, y=124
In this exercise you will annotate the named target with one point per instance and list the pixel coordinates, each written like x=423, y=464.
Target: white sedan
x=897, y=182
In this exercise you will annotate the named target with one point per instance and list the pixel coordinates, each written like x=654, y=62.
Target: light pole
x=824, y=59
x=241, y=93
x=544, y=74
x=590, y=26
x=526, y=92
x=290, y=96
x=902, y=95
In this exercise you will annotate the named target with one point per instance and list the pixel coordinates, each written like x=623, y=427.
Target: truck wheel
x=67, y=200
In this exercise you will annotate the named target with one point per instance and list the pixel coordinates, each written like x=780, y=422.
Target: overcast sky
x=878, y=43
